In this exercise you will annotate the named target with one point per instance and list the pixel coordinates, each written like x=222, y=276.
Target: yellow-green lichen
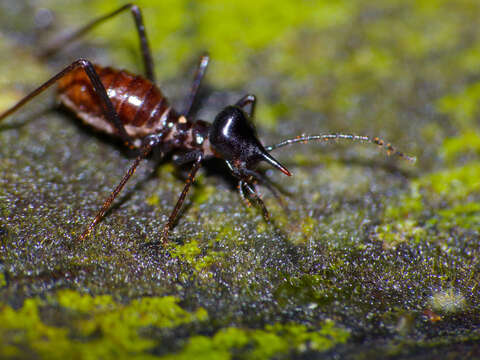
x=23, y=328
x=9, y=72
x=453, y=185
x=467, y=143
x=274, y=340
x=102, y=327
x=444, y=199
x=200, y=260
x=99, y=326
x=231, y=32
x=148, y=311
x=462, y=216
x=462, y=107
x=202, y=192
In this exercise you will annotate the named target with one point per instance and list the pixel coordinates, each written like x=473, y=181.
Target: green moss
x=23, y=59
x=299, y=228
x=224, y=229
x=232, y=30
x=23, y=329
x=105, y=328
x=279, y=341
x=221, y=346
x=453, y=184
x=461, y=216
x=202, y=192
x=453, y=190
x=462, y=107
x=3, y=280
x=306, y=289
x=99, y=326
x=229, y=31
x=187, y=252
x=153, y=200
x=467, y=143
x=200, y=260
x=399, y=232
x=269, y=115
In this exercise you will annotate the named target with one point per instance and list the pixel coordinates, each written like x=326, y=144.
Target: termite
x=132, y=108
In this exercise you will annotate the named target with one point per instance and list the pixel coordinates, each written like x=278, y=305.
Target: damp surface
x=373, y=255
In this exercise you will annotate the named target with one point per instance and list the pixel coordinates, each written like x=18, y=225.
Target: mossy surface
x=372, y=257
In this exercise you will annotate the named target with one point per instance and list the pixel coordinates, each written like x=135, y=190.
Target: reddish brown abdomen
x=140, y=105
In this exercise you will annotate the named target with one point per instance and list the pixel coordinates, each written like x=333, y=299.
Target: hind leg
x=137, y=16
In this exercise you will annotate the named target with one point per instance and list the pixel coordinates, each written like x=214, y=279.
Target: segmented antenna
x=329, y=137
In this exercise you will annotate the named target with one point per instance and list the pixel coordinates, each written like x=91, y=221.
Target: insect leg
x=149, y=143
x=248, y=100
x=197, y=79
x=181, y=199
x=142, y=34
x=182, y=159
x=253, y=193
x=241, y=191
x=108, y=108
x=263, y=180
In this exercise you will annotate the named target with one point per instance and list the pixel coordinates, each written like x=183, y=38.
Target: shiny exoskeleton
x=133, y=108
x=139, y=104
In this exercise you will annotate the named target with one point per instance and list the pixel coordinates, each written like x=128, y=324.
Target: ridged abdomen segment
x=140, y=105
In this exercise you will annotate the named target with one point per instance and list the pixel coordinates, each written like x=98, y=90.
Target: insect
x=133, y=109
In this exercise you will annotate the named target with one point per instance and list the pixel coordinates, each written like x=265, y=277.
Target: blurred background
x=374, y=257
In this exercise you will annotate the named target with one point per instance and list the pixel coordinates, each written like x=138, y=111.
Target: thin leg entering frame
x=142, y=34
x=197, y=79
x=181, y=199
x=108, y=109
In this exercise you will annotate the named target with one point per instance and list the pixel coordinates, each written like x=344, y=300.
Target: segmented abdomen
x=140, y=105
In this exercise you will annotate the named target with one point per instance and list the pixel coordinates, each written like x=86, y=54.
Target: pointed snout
x=271, y=160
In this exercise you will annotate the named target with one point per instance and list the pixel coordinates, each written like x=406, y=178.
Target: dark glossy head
x=233, y=138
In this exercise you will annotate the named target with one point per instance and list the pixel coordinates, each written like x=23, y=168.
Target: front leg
x=252, y=192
